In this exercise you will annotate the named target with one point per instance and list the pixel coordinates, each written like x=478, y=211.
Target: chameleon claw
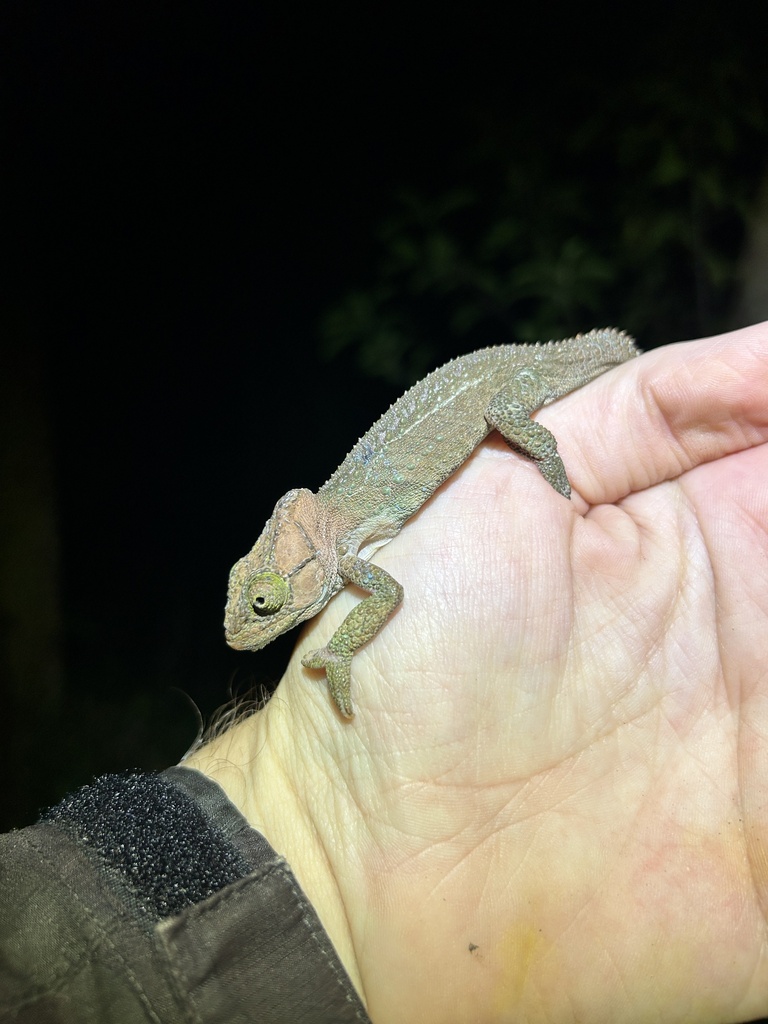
x=338, y=674
x=339, y=678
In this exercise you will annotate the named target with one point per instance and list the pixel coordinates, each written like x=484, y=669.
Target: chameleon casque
x=314, y=544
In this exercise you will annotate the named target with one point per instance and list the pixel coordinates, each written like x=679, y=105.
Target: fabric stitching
x=314, y=931
x=103, y=935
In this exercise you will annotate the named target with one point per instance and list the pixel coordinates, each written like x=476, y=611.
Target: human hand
x=552, y=803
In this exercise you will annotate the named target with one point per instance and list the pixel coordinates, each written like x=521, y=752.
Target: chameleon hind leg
x=509, y=412
x=361, y=625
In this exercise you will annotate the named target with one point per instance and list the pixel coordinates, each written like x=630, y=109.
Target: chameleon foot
x=338, y=673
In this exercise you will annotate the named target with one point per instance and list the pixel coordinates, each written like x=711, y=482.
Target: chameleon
x=314, y=544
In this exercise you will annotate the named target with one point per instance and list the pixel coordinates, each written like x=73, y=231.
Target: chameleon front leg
x=361, y=625
x=511, y=416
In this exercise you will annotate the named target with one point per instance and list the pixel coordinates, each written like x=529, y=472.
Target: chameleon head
x=286, y=578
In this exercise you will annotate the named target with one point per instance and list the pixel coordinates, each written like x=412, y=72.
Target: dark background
x=190, y=189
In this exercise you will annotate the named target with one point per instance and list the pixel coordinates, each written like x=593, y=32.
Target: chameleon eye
x=267, y=593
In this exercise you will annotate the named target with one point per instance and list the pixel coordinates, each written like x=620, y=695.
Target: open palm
x=552, y=804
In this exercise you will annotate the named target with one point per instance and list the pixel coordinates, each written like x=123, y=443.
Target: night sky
x=191, y=186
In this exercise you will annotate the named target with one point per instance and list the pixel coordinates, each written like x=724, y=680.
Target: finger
x=662, y=414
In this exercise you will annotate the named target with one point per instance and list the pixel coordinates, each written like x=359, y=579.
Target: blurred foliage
x=633, y=215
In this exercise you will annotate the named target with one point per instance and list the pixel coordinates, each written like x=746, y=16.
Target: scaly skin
x=314, y=544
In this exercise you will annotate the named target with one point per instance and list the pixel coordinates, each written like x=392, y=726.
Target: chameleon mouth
x=236, y=629
x=232, y=640
x=242, y=639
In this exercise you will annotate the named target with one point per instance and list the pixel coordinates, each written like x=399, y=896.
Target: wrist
x=274, y=770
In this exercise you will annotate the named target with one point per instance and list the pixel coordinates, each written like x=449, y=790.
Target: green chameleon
x=314, y=544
